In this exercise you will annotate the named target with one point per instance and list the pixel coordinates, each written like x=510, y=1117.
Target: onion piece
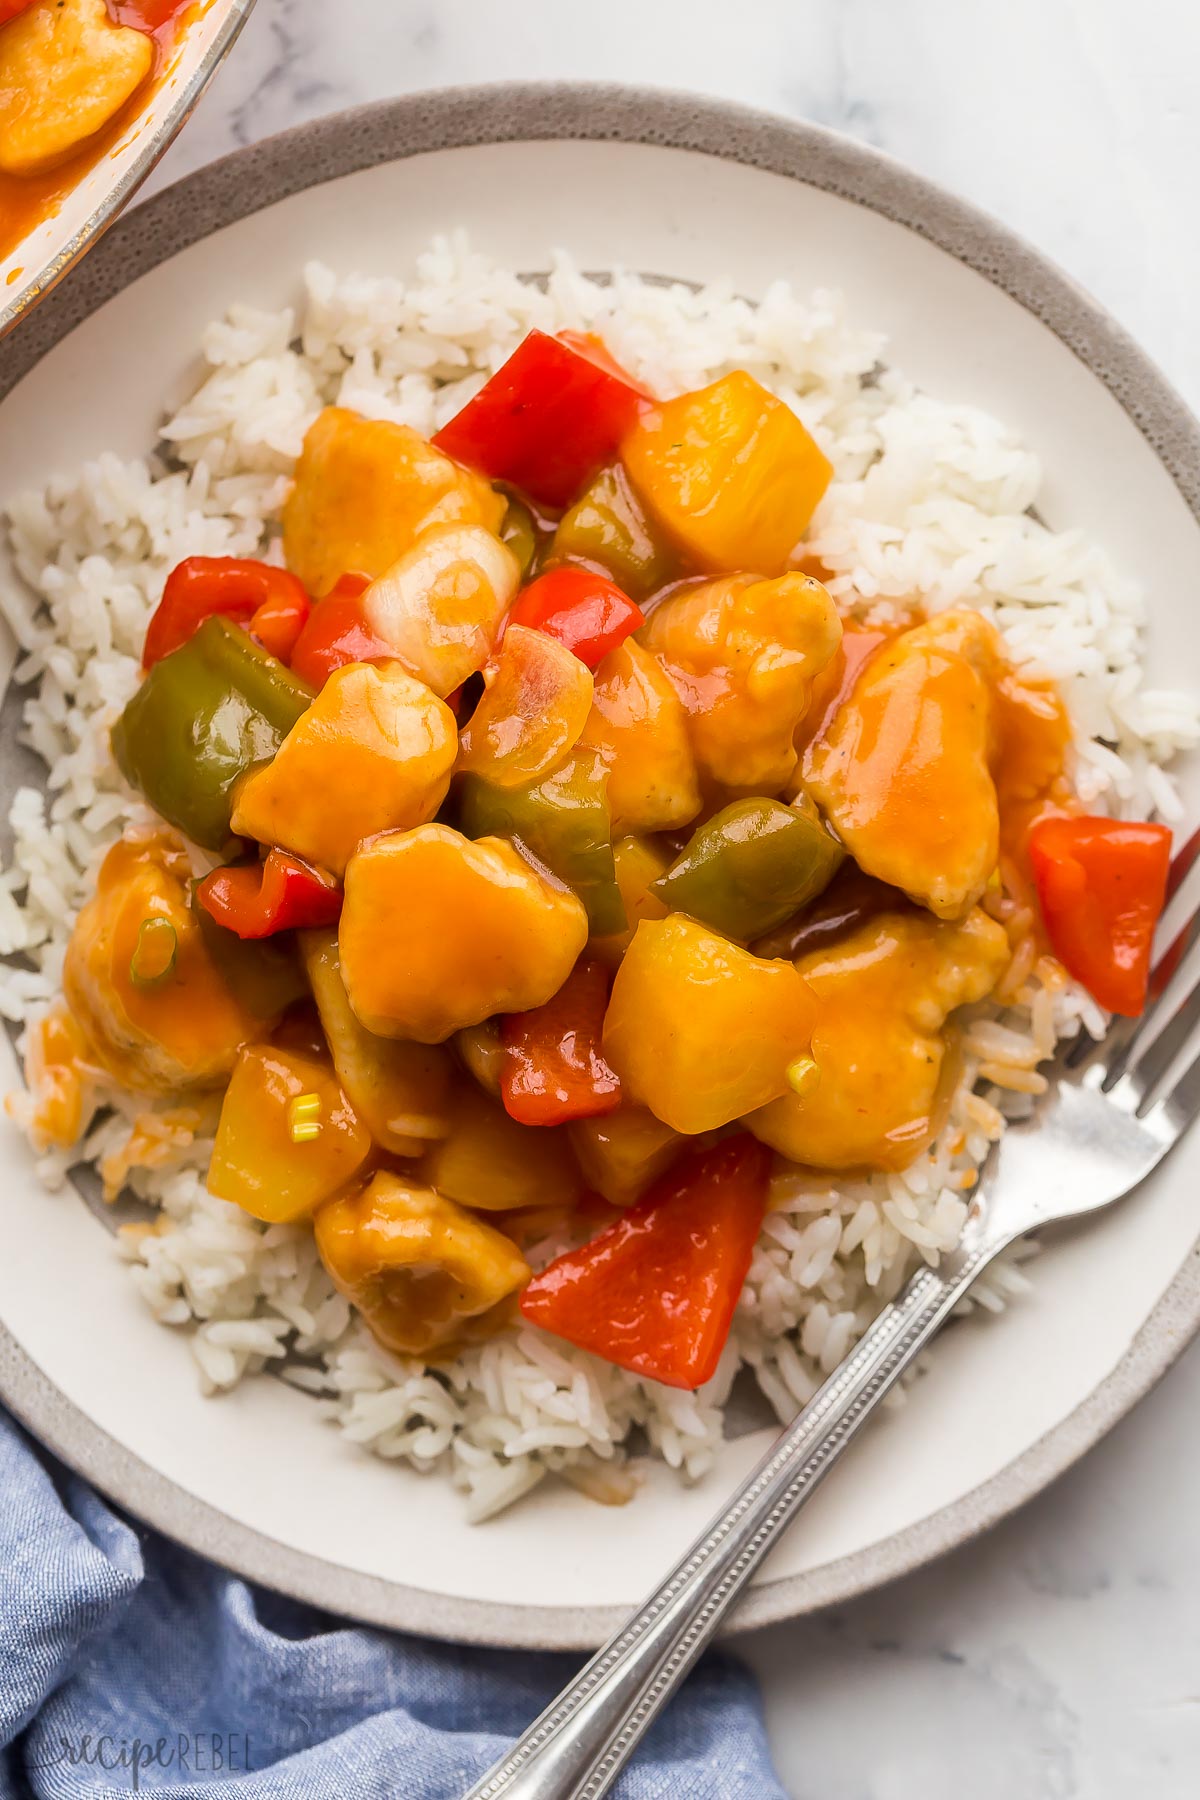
x=439, y=608
x=534, y=706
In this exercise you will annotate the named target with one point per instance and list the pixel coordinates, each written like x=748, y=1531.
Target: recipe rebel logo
x=185, y=1753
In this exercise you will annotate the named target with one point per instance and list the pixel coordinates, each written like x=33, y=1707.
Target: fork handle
x=578, y=1746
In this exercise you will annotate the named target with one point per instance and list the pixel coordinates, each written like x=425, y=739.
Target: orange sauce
x=1032, y=737
x=834, y=685
x=162, y=1038
x=26, y=201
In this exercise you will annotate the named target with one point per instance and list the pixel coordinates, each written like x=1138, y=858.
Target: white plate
x=695, y=190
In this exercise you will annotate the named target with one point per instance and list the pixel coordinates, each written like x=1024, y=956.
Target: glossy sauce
x=1030, y=734
x=26, y=201
x=193, y=1022
x=879, y=1039
x=850, y=900
x=1033, y=736
x=835, y=683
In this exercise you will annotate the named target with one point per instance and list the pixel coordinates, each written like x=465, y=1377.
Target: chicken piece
x=729, y=473
x=178, y=1032
x=832, y=689
x=696, y=1025
x=65, y=71
x=639, y=724
x=438, y=932
x=1032, y=746
x=488, y=1161
x=417, y=1266
x=883, y=996
x=742, y=655
x=288, y=1138
x=400, y=1091
x=373, y=753
x=364, y=491
x=902, y=771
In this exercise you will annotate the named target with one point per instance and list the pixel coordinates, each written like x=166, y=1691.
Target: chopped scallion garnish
x=304, y=1118
x=153, y=959
x=802, y=1075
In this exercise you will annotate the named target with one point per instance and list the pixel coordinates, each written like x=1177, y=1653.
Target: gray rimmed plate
x=692, y=189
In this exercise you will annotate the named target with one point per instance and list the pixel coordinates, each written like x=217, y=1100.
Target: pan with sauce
x=73, y=73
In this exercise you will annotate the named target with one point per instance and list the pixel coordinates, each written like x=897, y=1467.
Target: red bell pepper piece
x=1102, y=885
x=337, y=633
x=240, y=589
x=278, y=622
x=655, y=1293
x=255, y=900
x=554, y=1068
x=585, y=611
x=548, y=419
x=150, y=16
x=10, y=8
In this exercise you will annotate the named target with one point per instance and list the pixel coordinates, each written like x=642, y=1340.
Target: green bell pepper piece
x=265, y=973
x=608, y=526
x=562, y=822
x=519, y=532
x=202, y=717
x=751, y=866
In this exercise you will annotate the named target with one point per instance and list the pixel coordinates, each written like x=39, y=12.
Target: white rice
x=930, y=501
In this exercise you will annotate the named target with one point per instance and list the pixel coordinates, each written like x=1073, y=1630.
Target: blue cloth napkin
x=128, y=1664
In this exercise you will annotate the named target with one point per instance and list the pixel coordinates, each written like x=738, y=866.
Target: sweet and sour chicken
x=575, y=857
x=881, y=999
x=903, y=772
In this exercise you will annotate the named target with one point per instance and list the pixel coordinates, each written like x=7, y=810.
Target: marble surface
x=1059, y=1656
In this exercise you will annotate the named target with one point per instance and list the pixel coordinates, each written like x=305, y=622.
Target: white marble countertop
x=1060, y=1656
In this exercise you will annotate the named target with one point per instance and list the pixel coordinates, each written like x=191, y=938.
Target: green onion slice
x=153, y=959
x=304, y=1118
x=803, y=1076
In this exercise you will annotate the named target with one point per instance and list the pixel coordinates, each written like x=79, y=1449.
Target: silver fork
x=1109, y=1117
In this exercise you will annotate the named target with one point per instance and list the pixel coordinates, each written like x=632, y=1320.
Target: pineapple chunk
x=372, y=753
